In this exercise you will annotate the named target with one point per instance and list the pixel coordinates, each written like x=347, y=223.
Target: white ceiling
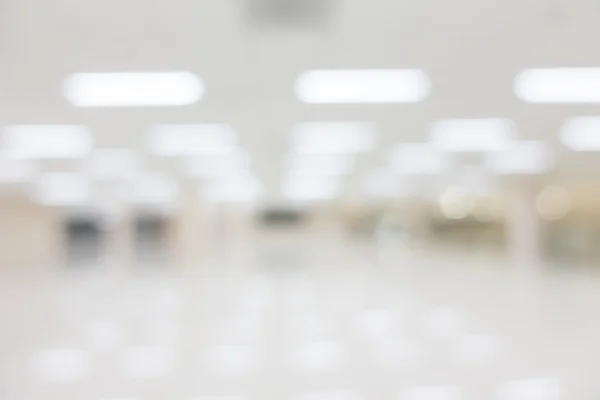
x=471, y=50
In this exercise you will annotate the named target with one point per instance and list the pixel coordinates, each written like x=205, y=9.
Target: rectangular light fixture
x=581, y=134
x=417, y=159
x=522, y=158
x=472, y=135
x=362, y=86
x=133, y=89
x=333, y=137
x=558, y=85
x=47, y=141
x=192, y=140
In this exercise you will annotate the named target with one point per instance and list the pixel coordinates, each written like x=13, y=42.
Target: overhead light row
x=495, y=138
x=321, y=155
x=206, y=151
x=149, y=189
x=210, y=152
x=219, y=141
x=76, y=141
x=369, y=86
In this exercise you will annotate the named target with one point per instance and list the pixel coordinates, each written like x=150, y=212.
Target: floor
x=343, y=322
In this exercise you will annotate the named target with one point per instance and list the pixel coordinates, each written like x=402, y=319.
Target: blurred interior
x=307, y=199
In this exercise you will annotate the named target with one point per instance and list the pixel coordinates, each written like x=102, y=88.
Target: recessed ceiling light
x=362, y=86
x=133, y=89
x=417, y=159
x=47, y=141
x=522, y=158
x=581, y=134
x=192, y=140
x=466, y=135
x=333, y=137
x=559, y=85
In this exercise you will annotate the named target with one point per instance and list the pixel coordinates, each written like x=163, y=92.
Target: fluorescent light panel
x=333, y=137
x=417, y=159
x=581, y=134
x=558, y=85
x=362, y=86
x=472, y=135
x=133, y=89
x=192, y=140
x=47, y=141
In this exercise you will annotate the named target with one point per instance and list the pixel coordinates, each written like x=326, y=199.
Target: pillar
x=523, y=226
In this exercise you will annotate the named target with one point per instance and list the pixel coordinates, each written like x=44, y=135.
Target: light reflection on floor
x=402, y=327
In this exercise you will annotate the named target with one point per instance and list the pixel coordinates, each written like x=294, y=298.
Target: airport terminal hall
x=299, y=200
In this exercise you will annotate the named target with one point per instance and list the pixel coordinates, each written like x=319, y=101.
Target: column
x=523, y=226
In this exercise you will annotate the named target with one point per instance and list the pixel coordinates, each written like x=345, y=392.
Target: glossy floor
x=341, y=323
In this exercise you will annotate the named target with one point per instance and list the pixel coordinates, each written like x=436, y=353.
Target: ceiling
x=470, y=49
